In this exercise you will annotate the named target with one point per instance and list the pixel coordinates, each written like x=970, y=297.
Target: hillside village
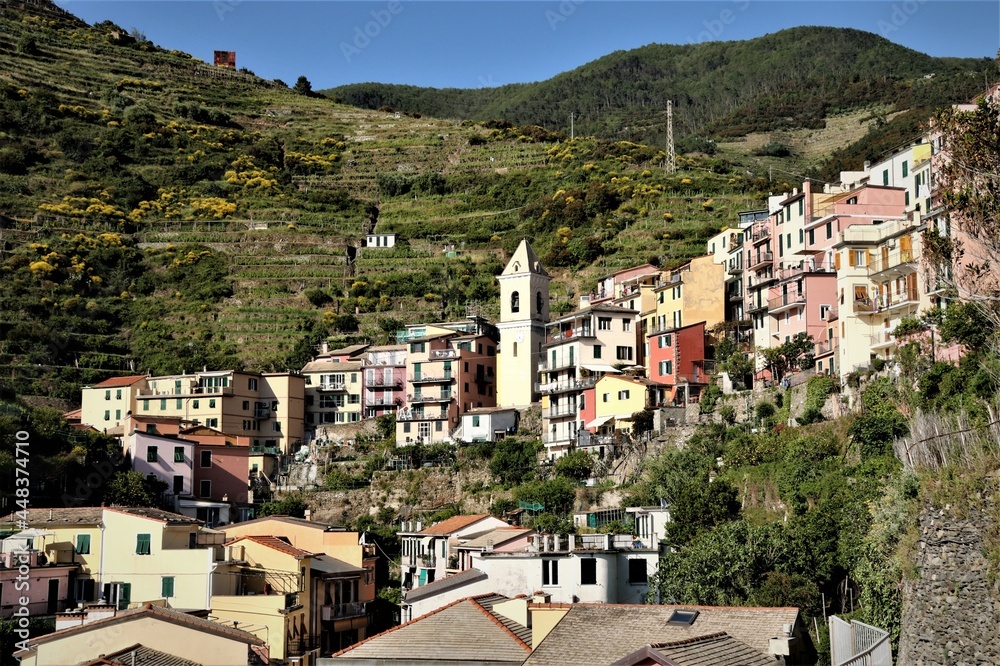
x=763, y=434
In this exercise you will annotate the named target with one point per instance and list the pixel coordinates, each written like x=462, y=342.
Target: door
x=52, y=607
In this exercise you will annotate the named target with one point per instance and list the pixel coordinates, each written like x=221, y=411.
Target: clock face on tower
x=520, y=337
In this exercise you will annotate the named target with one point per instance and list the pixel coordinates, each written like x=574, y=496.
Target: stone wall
x=951, y=614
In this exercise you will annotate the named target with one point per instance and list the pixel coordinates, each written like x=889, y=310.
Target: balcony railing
x=901, y=262
x=760, y=234
x=563, y=410
x=257, y=450
x=661, y=328
x=831, y=314
x=806, y=267
x=437, y=354
x=882, y=340
x=413, y=415
x=332, y=386
x=735, y=267
x=737, y=295
x=187, y=390
x=417, y=398
x=350, y=609
x=826, y=347
x=561, y=387
x=261, y=412
x=865, y=306
x=785, y=300
x=430, y=379
x=558, y=364
x=382, y=381
x=573, y=333
x=383, y=402
x=762, y=259
x=558, y=440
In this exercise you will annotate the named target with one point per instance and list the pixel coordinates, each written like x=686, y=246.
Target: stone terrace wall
x=951, y=614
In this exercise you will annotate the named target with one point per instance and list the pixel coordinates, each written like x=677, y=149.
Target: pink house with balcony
x=384, y=379
x=677, y=360
x=49, y=584
x=612, y=286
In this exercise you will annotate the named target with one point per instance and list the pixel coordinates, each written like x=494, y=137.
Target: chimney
x=868, y=165
x=541, y=597
x=309, y=514
x=584, y=301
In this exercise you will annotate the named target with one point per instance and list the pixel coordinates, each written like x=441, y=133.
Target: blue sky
x=471, y=44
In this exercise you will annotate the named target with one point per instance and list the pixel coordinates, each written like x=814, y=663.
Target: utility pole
x=572, y=134
x=671, y=163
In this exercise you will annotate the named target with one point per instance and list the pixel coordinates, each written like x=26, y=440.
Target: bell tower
x=524, y=311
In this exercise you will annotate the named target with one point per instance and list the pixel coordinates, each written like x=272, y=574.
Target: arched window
x=515, y=302
x=538, y=302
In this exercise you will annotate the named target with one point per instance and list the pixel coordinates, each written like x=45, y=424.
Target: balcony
x=737, y=296
x=826, y=347
x=421, y=398
x=427, y=561
x=908, y=298
x=882, y=340
x=385, y=360
x=430, y=379
x=257, y=450
x=416, y=415
x=831, y=314
x=760, y=234
x=332, y=386
x=573, y=333
x=735, y=267
x=753, y=307
x=891, y=265
x=661, y=328
x=261, y=412
x=865, y=306
x=558, y=364
x=790, y=273
x=384, y=401
x=391, y=382
x=552, y=441
x=784, y=302
x=562, y=387
x=439, y=354
x=563, y=410
x=350, y=609
x=188, y=390
x=762, y=259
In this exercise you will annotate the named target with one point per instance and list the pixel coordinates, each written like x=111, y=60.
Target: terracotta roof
x=119, y=381
x=275, y=543
x=140, y=655
x=626, y=628
x=490, y=410
x=464, y=630
x=81, y=515
x=155, y=612
x=73, y=414
x=168, y=517
x=454, y=524
x=326, y=365
x=444, y=584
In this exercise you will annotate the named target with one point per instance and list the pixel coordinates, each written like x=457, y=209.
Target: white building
x=488, y=424
x=380, y=240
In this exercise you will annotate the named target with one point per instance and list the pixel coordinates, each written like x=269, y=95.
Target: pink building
x=169, y=458
x=612, y=286
x=677, y=359
x=48, y=584
x=221, y=473
x=384, y=379
x=869, y=204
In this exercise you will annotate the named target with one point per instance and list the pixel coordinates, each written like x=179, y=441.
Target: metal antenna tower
x=671, y=163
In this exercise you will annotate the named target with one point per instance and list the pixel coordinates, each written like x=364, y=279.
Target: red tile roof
x=275, y=543
x=119, y=381
x=454, y=524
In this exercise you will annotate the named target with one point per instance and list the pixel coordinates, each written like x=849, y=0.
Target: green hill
x=791, y=79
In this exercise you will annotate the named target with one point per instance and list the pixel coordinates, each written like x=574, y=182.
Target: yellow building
x=688, y=295
x=268, y=407
x=149, y=634
x=333, y=390
x=524, y=311
x=618, y=397
x=879, y=282
x=347, y=578
x=128, y=556
x=106, y=405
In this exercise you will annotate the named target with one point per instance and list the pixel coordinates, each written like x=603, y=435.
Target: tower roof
x=524, y=260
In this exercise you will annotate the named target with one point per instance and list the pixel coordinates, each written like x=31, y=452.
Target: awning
x=597, y=367
x=598, y=422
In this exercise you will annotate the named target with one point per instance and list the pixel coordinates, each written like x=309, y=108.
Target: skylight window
x=683, y=617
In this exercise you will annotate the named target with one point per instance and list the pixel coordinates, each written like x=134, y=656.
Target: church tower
x=524, y=311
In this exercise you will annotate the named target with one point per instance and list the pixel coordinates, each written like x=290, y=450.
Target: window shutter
x=836, y=261
x=868, y=258
x=850, y=258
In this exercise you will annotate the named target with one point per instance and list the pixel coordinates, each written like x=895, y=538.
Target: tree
x=513, y=461
x=699, y=506
x=27, y=45
x=303, y=87
x=577, y=465
x=134, y=489
x=290, y=505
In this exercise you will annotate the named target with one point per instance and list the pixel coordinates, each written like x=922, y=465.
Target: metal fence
x=858, y=644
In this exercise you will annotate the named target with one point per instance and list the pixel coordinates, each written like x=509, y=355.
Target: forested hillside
x=790, y=79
